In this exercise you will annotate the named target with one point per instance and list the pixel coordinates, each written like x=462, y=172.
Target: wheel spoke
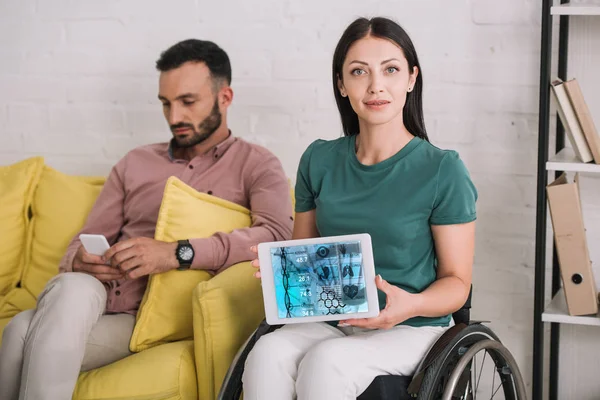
x=495, y=391
x=475, y=378
x=493, y=381
x=481, y=369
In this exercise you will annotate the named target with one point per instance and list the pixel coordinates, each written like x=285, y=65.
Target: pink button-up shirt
x=234, y=170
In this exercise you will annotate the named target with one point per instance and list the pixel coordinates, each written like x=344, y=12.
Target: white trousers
x=43, y=350
x=317, y=361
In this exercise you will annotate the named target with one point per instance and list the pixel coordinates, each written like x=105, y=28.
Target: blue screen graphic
x=319, y=279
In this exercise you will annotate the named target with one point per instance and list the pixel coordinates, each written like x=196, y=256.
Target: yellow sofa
x=40, y=211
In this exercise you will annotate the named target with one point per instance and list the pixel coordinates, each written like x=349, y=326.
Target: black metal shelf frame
x=542, y=208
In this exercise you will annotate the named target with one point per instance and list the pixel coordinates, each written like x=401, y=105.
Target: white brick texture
x=78, y=85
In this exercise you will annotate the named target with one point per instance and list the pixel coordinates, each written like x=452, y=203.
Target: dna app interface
x=319, y=279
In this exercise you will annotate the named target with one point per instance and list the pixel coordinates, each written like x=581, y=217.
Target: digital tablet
x=320, y=279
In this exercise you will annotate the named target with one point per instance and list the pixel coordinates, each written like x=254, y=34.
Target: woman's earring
x=410, y=89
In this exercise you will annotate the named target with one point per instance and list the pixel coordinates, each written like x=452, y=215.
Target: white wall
x=78, y=85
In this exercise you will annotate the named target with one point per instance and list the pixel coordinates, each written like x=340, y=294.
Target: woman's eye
x=358, y=72
x=391, y=70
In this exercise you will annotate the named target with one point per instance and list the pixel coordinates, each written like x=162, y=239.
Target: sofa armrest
x=227, y=309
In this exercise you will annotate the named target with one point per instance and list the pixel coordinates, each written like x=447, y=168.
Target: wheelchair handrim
x=498, y=351
x=485, y=334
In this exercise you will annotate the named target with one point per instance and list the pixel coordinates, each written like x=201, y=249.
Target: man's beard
x=205, y=129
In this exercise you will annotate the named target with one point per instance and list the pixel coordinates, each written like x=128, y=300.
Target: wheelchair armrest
x=463, y=315
x=468, y=302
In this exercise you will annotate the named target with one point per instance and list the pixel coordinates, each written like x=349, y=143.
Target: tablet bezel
x=268, y=283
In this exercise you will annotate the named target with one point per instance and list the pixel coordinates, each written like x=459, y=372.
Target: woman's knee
x=330, y=355
x=269, y=350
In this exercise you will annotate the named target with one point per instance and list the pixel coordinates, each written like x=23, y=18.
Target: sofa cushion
x=165, y=314
x=17, y=185
x=227, y=309
x=60, y=207
x=163, y=372
x=17, y=300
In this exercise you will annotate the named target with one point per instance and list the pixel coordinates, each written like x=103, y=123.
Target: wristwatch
x=184, y=254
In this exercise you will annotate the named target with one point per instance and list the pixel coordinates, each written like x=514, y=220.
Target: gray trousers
x=44, y=349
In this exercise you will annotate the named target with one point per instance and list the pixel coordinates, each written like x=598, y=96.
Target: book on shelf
x=570, y=122
x=584, y=117
x=576, y=272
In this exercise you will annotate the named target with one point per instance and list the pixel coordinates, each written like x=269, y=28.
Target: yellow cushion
x=165, y=314
x=163, y=372
x=17, y=300
x=17, y=184
x=60, y=207
x=227, y=309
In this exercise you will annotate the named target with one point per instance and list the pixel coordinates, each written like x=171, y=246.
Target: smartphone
x=94, y=244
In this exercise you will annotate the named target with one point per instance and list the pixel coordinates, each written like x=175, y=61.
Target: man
x=85, y=316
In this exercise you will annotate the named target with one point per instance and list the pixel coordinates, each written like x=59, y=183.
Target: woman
x=417, y=202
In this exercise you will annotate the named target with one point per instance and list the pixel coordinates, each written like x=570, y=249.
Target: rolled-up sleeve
x=272, y=220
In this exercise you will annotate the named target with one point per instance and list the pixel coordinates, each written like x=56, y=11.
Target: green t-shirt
x=396, y=201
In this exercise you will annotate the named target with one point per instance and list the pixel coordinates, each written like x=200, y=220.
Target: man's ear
x=341, y=88
x=225, y=96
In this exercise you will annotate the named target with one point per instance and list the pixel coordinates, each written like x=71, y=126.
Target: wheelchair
x=453, y=369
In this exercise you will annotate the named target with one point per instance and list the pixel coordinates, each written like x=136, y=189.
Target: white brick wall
x=78, y=85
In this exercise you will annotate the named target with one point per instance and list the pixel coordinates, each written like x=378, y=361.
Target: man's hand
x=95, y=266
x=142, y=256
x=400, y=306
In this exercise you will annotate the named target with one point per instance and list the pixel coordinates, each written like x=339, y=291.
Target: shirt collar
x=218, y=150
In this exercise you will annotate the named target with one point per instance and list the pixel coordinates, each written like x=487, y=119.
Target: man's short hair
x=196, y=50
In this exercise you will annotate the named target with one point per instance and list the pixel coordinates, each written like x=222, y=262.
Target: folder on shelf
x=570, y=122
x=571, y=246
x=584, y=117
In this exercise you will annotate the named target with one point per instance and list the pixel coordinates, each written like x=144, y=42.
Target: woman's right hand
x=255, y=263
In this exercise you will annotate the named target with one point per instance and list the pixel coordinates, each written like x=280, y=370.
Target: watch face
x=186, y=253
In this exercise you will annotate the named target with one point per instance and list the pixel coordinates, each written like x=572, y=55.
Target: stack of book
x=577, y=120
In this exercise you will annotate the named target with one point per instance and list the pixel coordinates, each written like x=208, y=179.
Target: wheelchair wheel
x=474, y=365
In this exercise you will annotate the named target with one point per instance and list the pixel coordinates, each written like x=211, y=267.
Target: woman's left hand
x=400, y=306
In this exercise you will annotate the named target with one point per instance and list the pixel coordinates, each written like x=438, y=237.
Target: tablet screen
x=319, y=279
